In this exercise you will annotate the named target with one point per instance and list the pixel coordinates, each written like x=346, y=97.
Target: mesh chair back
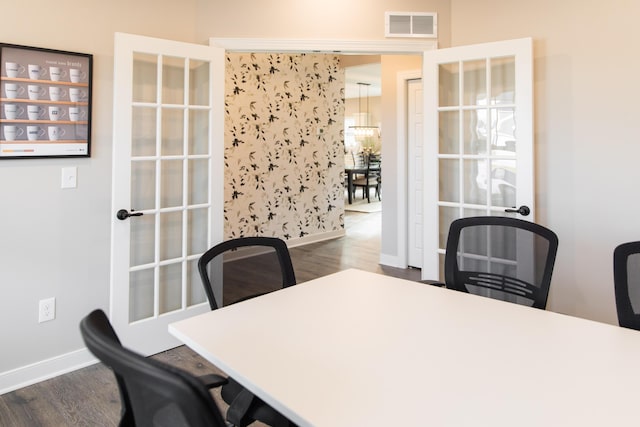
x=501, y=257
x=160, y=395
x=253, y=271
x=626, y=275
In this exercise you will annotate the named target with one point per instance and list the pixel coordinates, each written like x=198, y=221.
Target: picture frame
x=45, y=102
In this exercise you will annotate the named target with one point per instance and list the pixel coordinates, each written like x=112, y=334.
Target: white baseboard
x=45, y=369
x=315, y=238
x=392, y=261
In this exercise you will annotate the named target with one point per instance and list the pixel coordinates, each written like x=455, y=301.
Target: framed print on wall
x=45, y=103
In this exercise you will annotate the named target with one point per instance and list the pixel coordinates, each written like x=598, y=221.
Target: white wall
x=54, y=242
x=586, y=131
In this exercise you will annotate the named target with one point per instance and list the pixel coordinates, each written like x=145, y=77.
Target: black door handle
x=522, y=210
x=123, y=214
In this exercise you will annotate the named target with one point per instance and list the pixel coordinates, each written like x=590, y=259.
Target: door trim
x=402, y=189
x=410, y=47
x=325, y=46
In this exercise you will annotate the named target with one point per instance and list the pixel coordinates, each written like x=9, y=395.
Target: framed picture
x=45, y=103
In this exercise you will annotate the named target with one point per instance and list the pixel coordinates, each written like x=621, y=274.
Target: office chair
x=244, y=407
x=502, y=258
x=153, y=393
x=626, y=278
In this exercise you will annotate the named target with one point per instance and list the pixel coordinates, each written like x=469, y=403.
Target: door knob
x=522, y=210
x=123, y=214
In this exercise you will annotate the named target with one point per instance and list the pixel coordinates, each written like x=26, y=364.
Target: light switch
x=70, y=177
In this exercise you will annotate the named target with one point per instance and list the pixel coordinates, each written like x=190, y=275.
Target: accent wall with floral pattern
x=284, y=149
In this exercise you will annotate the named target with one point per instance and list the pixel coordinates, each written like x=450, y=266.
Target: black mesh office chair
x=501, y=257
x=153, y=393
x=626, y=277
x=244, y=408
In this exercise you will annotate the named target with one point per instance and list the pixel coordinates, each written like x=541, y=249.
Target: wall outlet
x=46, y=310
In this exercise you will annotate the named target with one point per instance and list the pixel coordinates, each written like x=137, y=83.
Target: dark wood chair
x=371, y=179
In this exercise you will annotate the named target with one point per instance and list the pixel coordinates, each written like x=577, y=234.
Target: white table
x=361, y=349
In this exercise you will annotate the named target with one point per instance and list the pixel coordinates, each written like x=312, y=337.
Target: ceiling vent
x=411, y=24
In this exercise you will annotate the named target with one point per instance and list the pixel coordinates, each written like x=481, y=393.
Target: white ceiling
x=368, y=73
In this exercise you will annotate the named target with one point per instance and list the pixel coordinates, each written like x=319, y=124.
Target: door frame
x=364, y=47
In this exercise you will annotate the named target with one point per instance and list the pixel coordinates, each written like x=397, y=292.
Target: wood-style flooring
x=89, y=396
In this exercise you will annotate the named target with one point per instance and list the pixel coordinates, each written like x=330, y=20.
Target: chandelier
x=364, y=130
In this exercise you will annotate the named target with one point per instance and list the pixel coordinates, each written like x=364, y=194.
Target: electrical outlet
x=47, y=310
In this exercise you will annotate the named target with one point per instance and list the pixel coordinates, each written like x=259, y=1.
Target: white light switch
x=70, y=177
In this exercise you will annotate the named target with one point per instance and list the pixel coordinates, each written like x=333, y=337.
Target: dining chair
x=154, y=393
x=244, y=407
x=626, y=278
x=371, y=179
x=501, y=257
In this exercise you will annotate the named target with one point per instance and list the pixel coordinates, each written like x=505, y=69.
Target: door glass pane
x=143, y=184
x=172, y=131
x=198, y=181
x=172, y=80
x=142, y=239
x=503, y=182
x=475, y=131
x=449, y=132
x=503, y=131
x=503, y=80
x=140, y=294
x=143, y=131
x=195, y=290
x=475, y=185
x=170, y=235
x=475, y=82
x=198, y=132
x=198, y=83
x=171, y=191
x=170, y=288
x=196, y=239
x=446, y=217
x=449, y=84
x=449, y=180
x=145, y=77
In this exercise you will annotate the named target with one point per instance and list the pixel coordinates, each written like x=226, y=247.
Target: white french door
x=167, y=183
x=479, y=128
x=415, y=172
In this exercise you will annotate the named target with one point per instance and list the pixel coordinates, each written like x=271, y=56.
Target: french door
x=167, y=183
x=479, y=126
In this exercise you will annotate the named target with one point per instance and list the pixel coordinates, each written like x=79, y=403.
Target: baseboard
x=392, y=261
x=315, y=238
x=45, y=369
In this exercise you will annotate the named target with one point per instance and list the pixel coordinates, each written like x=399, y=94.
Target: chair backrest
x=97, y=332
x=501, y=257
x=281, y=250
x=159, y=394
x=626, y=277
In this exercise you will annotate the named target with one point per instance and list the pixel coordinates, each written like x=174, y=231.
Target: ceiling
x=367, y=73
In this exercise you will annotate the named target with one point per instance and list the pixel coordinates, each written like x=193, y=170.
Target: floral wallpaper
x=284, y=149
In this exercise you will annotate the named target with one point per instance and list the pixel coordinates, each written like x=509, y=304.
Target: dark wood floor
x=89, y=396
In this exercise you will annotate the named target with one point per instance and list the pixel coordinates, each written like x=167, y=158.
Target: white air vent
x=411, y=24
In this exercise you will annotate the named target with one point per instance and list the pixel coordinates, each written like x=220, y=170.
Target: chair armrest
x=213, y=380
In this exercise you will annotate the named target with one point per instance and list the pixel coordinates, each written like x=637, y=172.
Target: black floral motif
x=283, y=145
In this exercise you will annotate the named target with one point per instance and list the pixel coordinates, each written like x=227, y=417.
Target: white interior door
x=480, y=125
x=167, y=183
x=415, y=137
